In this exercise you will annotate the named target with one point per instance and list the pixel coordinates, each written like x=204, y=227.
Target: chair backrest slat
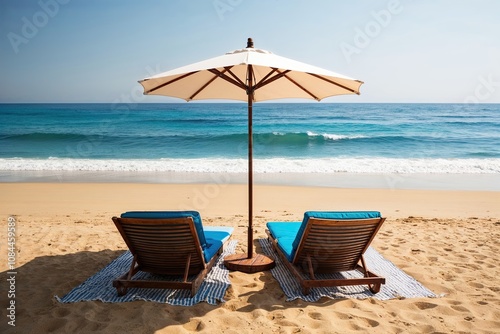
x=335, y=245
x=162, y=246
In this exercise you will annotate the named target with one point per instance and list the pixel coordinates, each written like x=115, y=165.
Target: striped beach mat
x=398, y=283
x=100, y=286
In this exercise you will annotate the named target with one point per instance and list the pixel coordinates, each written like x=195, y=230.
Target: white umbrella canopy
x=274, y=77
x=250, y=75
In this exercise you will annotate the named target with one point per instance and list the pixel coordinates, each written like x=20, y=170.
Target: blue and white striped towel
x=398, y=283
x=100, y=286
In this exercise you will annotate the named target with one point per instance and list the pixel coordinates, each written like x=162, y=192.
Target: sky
x=415, y=51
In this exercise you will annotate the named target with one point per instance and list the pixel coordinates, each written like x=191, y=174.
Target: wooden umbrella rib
x=169, y=82
x=222, y=75
x=258, y=84
x=234, y=75
x=334, y=83
x=262, y=83
x=204, y=86
x=303, y=88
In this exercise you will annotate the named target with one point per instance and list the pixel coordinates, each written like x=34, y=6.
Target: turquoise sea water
x=288, y=137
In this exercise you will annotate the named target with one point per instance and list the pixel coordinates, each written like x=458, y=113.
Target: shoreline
x=409, y=181
x=231, y=199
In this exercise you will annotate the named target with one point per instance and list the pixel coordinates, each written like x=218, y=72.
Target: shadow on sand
x=43, y=278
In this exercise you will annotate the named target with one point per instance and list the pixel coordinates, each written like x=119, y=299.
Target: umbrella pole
x=250, y=172
x=249, y=263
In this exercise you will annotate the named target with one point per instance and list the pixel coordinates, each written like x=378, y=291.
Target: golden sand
x=447, y=240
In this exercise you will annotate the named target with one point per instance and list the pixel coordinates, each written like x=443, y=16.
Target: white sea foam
x=272, y=165
x=330, y=136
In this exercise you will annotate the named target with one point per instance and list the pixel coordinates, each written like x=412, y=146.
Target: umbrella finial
x=249, y=43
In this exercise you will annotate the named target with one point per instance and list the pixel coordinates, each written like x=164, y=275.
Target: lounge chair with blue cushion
x=325, y=243
x=171, y=244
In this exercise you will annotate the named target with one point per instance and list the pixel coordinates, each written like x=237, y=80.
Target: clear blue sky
x=96, y=50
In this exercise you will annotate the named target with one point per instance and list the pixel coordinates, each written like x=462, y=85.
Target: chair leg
x=310, y=267
x=132, y=266
x=186, y=271
x=121, y=290
x=374, y=288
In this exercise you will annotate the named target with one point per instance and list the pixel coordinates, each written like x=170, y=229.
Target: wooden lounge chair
x=170, y=243
x=327, y=242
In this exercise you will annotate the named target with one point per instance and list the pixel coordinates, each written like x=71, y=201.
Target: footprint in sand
x=459, y=308
x=230, y=306
x=454, y=302
x=275, y=316
x=60, y=312
x=51, y=325
x=343, y=316
x=229, y=293
x=424, y=305
x=476, y=285
x=366, y=323
x=288, y=323
x=194, y=325
x=315, y=315
x=258, y=314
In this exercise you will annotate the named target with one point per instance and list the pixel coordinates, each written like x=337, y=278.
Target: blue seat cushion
x=221, y=233
x=284, y=233
x=172, y=214
x=213, y=246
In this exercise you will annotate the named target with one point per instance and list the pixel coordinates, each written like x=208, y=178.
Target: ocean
x=289, y=139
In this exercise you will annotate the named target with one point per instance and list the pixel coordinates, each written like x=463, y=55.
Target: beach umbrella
x=249, y=75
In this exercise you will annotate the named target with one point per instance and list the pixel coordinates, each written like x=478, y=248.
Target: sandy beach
x=447, y=240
